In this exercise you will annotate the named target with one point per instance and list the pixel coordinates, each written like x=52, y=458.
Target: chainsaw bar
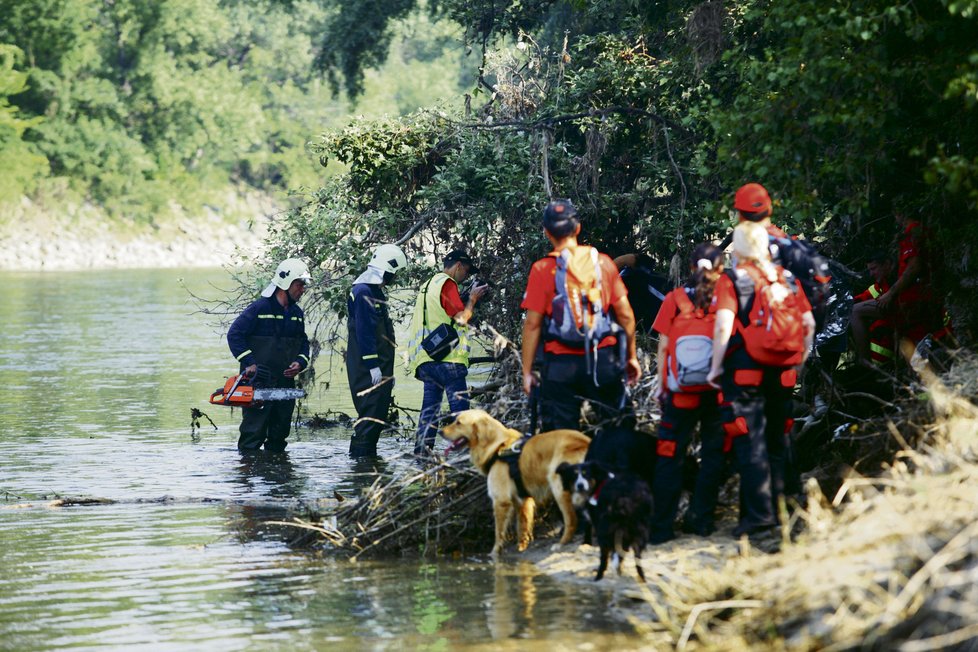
x=278, y=394
x=237, y=392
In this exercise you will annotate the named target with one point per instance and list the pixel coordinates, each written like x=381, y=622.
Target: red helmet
x=753, y=200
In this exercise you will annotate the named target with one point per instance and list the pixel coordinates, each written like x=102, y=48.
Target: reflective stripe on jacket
x=429, y=299
x=370, y=332
x=266, y=318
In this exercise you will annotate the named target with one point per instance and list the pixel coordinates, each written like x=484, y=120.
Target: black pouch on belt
x=440, y=342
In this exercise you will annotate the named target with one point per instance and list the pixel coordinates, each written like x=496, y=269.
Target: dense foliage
x=136, y=105
x=648, y=115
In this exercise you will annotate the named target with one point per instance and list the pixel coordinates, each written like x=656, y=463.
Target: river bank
x=38, y=237
x=888, y=562
x=885, y=558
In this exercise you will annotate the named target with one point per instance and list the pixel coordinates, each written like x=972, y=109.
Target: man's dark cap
x=560, y=217
x=460, y=256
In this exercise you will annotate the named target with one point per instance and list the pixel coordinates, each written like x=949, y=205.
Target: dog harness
x=511, y=456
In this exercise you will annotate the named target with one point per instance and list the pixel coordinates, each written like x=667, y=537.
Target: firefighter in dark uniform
x=269, y=341
x=370, y=348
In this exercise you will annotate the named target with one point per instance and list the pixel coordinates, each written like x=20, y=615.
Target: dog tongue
x=455, y=445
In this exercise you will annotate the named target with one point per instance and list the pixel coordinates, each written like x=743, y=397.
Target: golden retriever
x=541, y=455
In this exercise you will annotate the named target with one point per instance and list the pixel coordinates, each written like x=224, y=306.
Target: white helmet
x=290, y=269
x=388, y=258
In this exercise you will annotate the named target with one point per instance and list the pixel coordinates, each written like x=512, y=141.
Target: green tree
x=20, y=165
x=650, y=117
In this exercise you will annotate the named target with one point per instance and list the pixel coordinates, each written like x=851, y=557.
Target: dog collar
x=593, y=500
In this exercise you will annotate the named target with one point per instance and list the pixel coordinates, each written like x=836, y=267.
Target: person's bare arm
x=909, y=275
x=722, y=330
x=808, y=321
x=462, y=317
x=532, y=327
x=660, y=361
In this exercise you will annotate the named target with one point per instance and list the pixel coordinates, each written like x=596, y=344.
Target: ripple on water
x=99, y=372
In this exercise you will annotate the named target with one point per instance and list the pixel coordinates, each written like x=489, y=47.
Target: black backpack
x=812, y=271
x=831, y=300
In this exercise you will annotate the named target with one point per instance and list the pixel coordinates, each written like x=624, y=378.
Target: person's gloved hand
x=375, y=375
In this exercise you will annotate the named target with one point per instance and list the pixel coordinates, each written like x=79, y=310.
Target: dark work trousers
x=269, y=425
x=566, y=383
x=373, y=407
x=440, y=379
x=756, y=415
x=681, y=413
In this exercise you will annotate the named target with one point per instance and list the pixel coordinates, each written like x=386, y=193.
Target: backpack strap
x=596, y=261
x=424, y=309
x=744, y=286
x=682, y=300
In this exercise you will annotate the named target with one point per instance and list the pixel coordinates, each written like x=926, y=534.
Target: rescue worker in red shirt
x=880, y=332
x=753, y=204
x=756, y=406
x=571, y=373
x=909, y=302
x=685, y=318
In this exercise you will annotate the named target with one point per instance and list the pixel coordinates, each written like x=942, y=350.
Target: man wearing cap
x=269, y=341
x=753, y=204
x=439, y=302
x=370, y=348
x=571, y=371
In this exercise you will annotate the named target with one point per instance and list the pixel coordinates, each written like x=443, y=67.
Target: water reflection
x=269, y=473
x=95, y=405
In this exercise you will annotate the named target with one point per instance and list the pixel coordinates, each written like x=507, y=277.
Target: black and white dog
x=618, y=505
x=615, y=449
x=623, y=449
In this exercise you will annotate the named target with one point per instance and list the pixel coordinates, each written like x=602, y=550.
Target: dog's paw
x=557, y=547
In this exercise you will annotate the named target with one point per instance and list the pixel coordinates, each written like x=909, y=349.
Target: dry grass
x=890, y=563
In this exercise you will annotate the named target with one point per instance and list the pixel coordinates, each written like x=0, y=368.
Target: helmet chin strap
x=288, y=297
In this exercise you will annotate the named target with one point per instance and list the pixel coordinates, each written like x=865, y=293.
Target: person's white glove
x=375, y=376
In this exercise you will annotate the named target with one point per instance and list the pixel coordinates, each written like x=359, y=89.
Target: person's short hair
x=460, y=256
x=880, y=257
x=560, y=218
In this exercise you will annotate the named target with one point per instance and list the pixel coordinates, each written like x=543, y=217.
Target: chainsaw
x=238, y=391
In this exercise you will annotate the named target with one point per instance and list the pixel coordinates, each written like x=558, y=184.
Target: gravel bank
x=33, y=238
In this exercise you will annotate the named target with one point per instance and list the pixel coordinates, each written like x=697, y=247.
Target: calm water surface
x=98, y=373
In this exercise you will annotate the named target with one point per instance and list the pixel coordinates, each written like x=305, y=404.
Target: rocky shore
x=37, y=238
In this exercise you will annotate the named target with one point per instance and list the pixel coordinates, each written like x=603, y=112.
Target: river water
x=98, y=374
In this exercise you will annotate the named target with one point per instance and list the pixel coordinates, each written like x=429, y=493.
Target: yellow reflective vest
x=429, y=299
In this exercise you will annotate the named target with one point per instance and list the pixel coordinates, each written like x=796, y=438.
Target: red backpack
x=773, y=332
x=690, y=350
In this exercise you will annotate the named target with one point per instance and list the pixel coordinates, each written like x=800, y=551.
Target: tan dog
x=538, y=462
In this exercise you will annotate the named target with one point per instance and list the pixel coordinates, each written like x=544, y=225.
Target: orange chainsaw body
x=241, y=395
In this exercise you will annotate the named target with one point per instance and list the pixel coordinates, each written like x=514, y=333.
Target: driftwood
x=436, y=508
